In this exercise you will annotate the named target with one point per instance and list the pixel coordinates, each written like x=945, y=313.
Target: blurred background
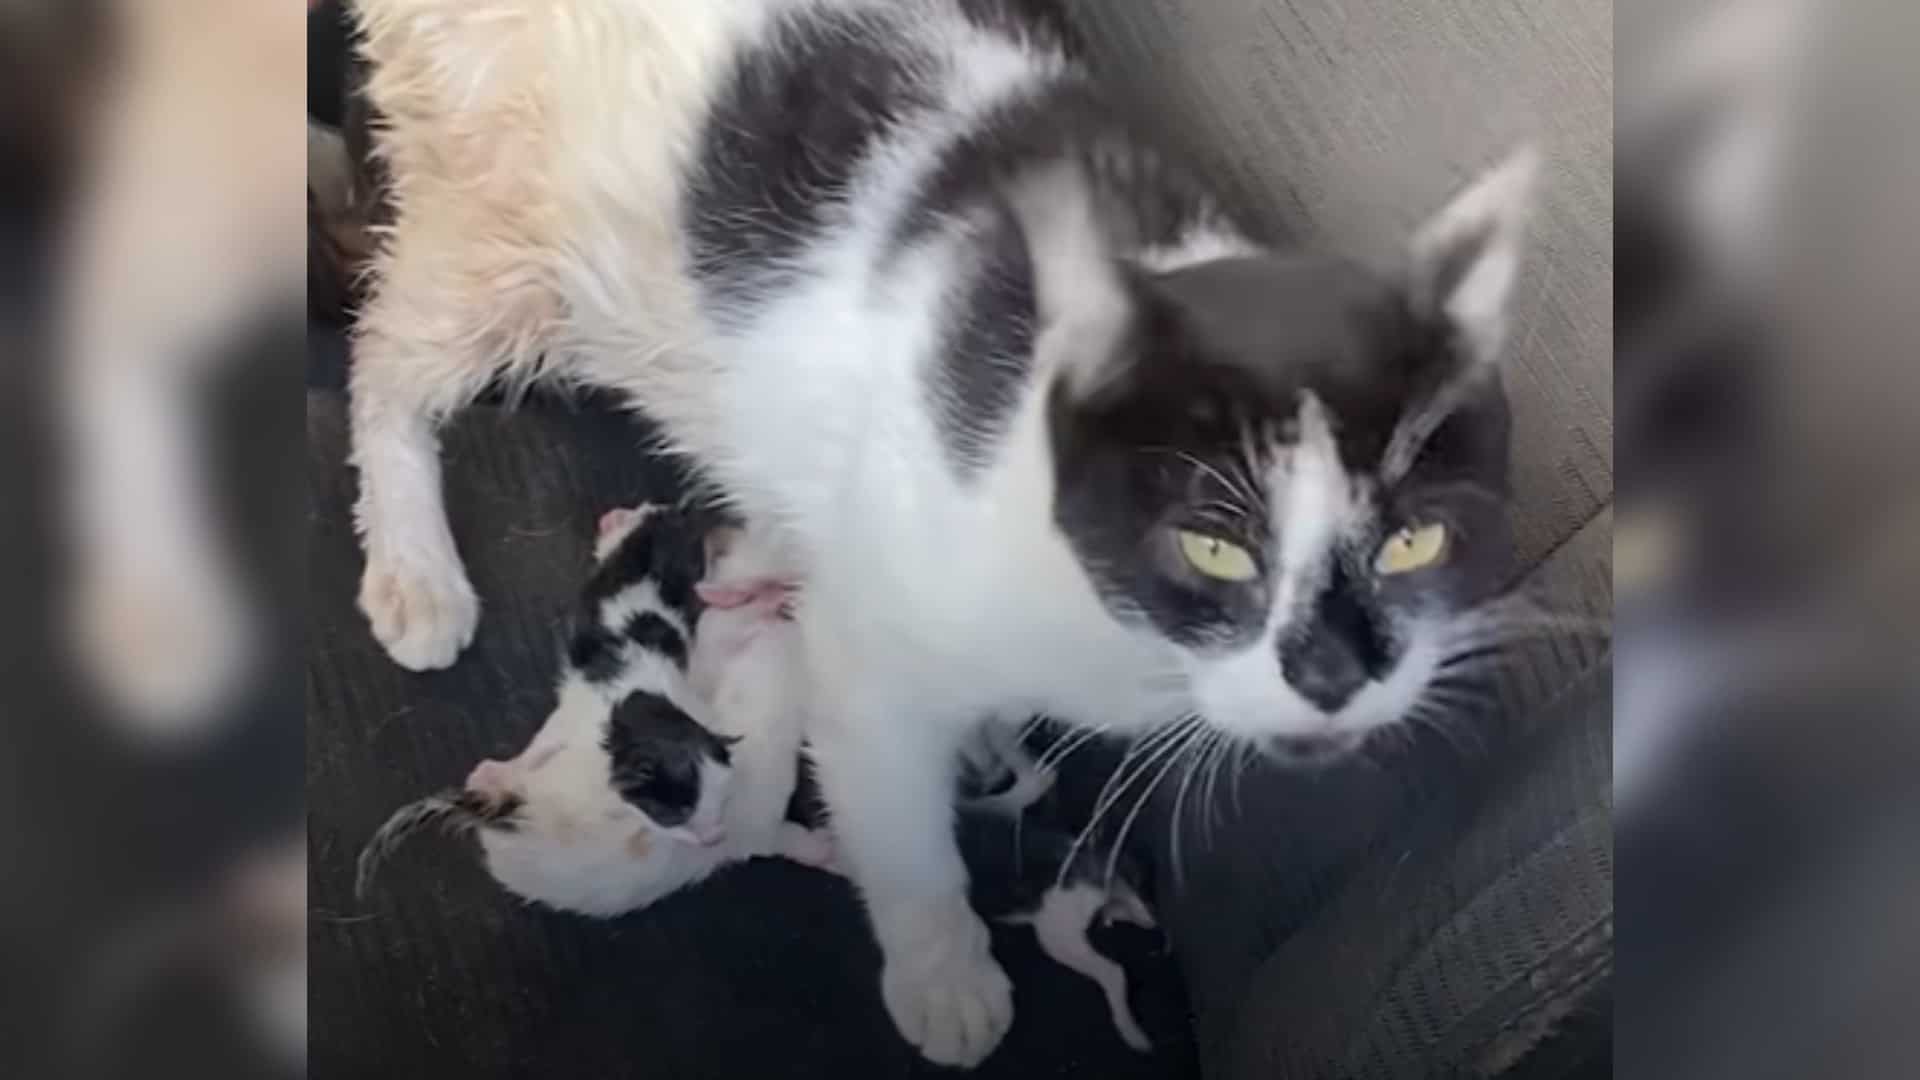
x=152, y=851
x=1767, y=540
x=1767, y=547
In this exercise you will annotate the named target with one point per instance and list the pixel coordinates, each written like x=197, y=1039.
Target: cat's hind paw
x=422, y=615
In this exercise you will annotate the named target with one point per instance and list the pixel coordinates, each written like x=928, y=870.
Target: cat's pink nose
x=491, y=780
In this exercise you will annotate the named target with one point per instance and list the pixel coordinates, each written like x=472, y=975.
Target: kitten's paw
x=946, y=993
x=808, y=847
x=422, y=615
x=165, y=647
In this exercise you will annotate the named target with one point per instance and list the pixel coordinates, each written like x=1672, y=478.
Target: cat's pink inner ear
x=615, y=519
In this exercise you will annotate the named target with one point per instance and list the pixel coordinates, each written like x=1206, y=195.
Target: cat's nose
x=1329, y=659
x=1321, y=668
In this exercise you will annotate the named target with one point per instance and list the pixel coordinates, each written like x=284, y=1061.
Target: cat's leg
x=1061, y=927
x=433, y=335
x=887, y=775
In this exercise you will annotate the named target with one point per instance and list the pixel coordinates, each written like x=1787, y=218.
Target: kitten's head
x=593, y=796
x=1291, y=467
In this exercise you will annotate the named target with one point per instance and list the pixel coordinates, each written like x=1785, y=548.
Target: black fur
x=669, y=548
x=986, y=351
x=655, y=750
x=595, y=652
x=652, y=632
x=1144, y=200
x=1042, y=22
x=790, y=124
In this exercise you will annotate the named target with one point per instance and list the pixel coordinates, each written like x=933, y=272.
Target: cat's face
x=595, y=794
x=1295, y=471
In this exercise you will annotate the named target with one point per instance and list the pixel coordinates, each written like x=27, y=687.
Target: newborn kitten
x=639, y=783
x=1025, y=872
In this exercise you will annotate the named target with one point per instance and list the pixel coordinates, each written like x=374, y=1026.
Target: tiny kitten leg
x=1061, y=926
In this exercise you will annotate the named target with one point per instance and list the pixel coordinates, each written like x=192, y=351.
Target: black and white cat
x=1041, y=428
x=672, y=749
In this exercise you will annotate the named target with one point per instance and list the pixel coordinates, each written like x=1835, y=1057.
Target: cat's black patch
x=655, y=750
x=669, y=549
x=986, y=351
x=654, y=633
x=1042, y=22
x=1144, y=200
x=594, y=652
x=790, y=125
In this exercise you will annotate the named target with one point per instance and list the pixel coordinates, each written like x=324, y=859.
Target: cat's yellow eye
x=1217, y=558
x=1415, y=547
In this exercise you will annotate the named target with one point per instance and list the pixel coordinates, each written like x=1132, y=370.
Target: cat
x=671, y=751
x=1042, y=428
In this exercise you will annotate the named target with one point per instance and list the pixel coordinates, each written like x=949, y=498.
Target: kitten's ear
x=1466, y=258
x=1081, y=306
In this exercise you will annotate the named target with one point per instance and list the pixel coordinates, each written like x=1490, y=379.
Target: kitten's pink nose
x=492, y=780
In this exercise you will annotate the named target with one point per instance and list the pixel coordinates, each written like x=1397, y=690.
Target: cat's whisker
x=1243, y=492
x=1194, y=731
x=1191, y=760
x=1164, y=739
x=1141, y=755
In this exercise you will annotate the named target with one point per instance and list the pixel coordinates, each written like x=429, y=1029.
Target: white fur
x=536, y=227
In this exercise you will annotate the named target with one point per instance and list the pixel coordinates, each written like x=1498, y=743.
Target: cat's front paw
x=946, y=993
x=422, y=615
x=165, y=645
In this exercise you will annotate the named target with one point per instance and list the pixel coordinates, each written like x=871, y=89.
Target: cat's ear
x=1465, y=260
x=1082, y=310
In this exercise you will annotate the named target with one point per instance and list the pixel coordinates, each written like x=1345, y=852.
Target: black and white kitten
x=671, y=750
x=1040, y=427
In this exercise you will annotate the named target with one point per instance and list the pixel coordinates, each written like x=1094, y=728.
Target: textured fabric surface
x=766, y=970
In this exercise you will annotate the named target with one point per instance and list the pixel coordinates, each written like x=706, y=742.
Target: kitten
x=671, y=751
x=1028, y=872
x=1042, y=429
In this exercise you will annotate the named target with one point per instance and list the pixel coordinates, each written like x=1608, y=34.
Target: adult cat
x=1044, y=430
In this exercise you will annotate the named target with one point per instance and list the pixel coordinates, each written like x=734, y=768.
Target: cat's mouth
x=1311, y=750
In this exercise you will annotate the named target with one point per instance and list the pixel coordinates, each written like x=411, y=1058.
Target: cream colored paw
x=944, y=990
x=423, y=617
